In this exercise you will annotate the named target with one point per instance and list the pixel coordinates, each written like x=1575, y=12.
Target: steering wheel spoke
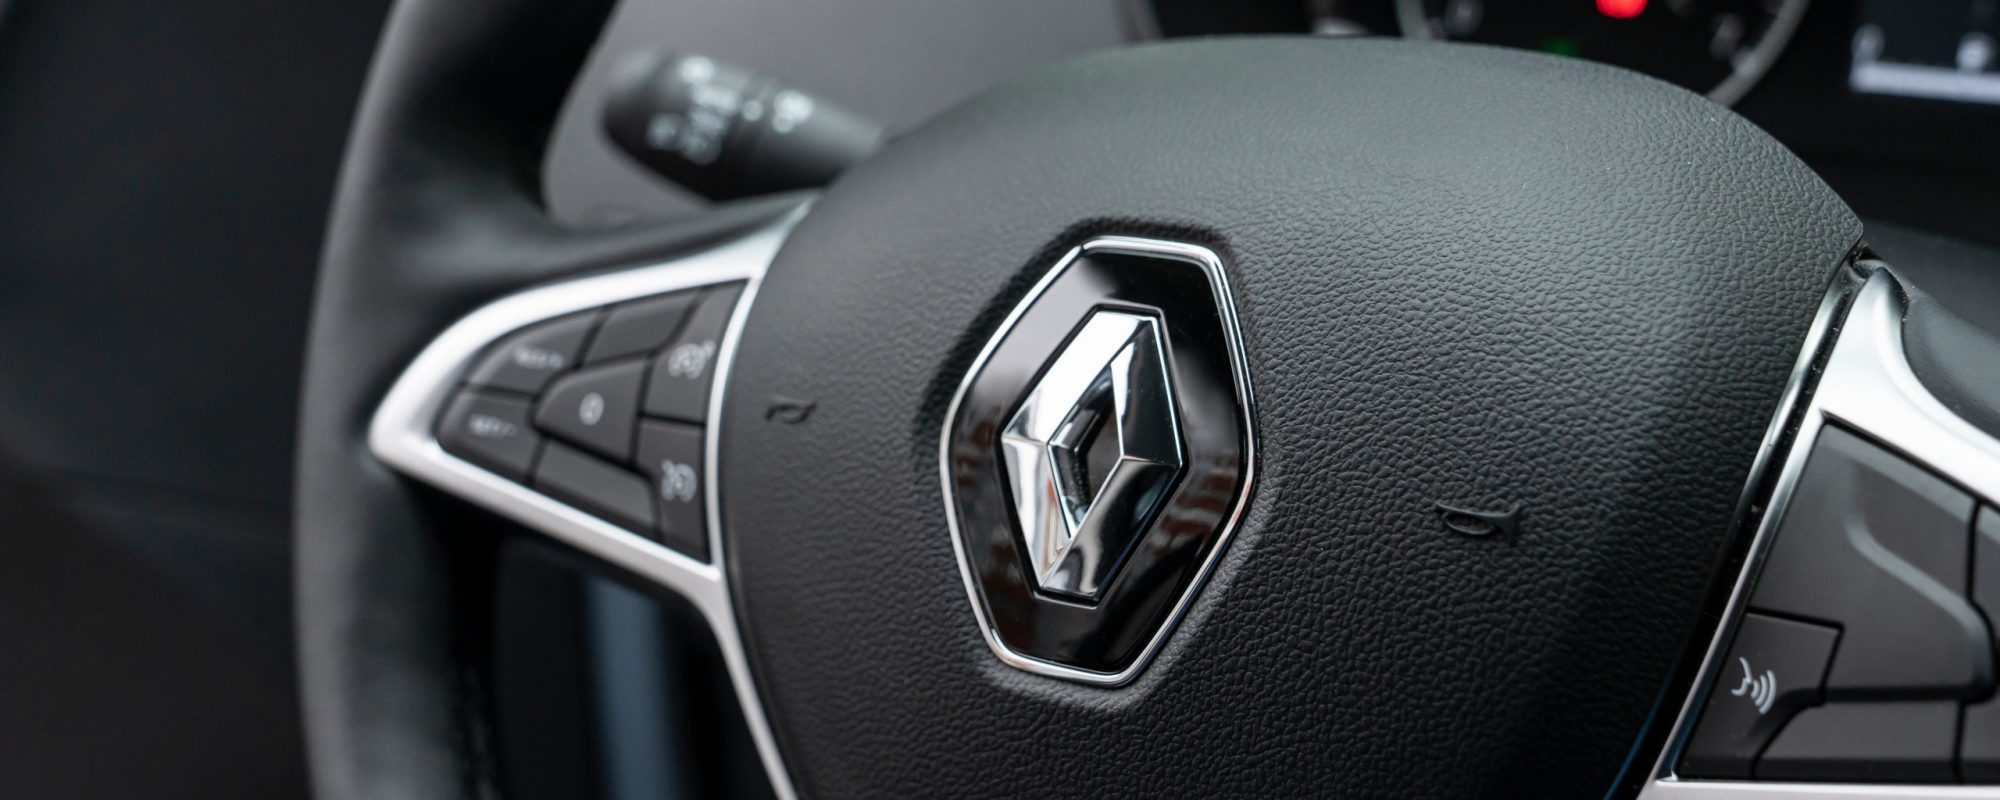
x=1854, y=652
x=584, y=410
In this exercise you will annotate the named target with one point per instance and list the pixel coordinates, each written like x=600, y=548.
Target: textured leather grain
x=1465, y=275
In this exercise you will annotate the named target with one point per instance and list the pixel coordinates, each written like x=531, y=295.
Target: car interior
x=639, y=399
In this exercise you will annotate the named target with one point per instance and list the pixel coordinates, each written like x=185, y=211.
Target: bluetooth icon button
x=1774, y=668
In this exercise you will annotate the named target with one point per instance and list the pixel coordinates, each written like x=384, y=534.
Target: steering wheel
x=1264, y=416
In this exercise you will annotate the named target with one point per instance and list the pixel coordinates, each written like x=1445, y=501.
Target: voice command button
x=1774, y=668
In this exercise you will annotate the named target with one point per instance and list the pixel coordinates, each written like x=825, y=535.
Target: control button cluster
x=603, y=410
x=1865, y=654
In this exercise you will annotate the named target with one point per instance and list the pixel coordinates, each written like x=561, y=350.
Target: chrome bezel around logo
x=1219, y=288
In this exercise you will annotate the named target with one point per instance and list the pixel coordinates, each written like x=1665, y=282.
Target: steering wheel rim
x=438, y=214
x=437, y=210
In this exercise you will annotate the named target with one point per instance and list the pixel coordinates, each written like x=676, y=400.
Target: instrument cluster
x=1895, y=102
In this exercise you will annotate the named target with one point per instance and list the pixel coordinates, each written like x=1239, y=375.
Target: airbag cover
x=1486, y=278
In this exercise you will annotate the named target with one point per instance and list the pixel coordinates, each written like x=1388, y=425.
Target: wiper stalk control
x=724, y=132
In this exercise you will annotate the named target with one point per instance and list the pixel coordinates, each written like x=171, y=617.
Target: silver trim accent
x=1072, y=540
x=402, y=436
x=1866, y=385
x=1218, y=280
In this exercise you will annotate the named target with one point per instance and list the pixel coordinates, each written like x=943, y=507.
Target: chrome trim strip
x=1866, y=385
x=1218, y=280
x=1819, y=336
x=402, y=436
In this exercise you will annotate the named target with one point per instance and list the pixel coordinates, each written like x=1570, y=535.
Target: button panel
x=491, y=430
x=527, y=360
x=1879, y=547
x=1873, y=742
x=594, y=408
x=640, y=327
x=595, y=486
x=1979, y=738
x=1864, y=653
x=1775, y=667
x=618, y=432
x=670, y=455
x=678, y=386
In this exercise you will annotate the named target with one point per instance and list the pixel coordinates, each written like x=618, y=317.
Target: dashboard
x=1895, y=102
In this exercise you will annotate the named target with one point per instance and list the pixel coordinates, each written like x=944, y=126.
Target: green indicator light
x=1561, y=45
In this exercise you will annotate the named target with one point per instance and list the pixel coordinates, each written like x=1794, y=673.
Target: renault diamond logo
x=1093, y=452
x=1098, y=456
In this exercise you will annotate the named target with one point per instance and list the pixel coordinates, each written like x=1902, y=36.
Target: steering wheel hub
x=1466, y=278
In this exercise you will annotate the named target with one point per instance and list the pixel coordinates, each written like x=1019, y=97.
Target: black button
x=595, y=409
x=525, y=361
x=670, y=453
x=491, y=431
x=1880, y=547
x=639, y=327
x=1900, y=742
x=681, y=373
x=1773, y=669
x=1979, y=745
x=594, y=486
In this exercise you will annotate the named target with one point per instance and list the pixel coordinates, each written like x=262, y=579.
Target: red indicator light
x=1621, y=9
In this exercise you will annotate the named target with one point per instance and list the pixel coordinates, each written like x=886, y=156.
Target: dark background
x=164, y=178
x=165, y=174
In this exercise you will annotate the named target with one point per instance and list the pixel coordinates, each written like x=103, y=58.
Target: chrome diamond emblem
x=1093, y=452
x=1098, y=456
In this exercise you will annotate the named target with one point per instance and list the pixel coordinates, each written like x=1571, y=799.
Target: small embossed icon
x=677, y=481
x=591, y=410
x=1480, y=524
x=690, y=360
x=1761, y=689
x=528, y=356
x=487, y=426
x=788, y=410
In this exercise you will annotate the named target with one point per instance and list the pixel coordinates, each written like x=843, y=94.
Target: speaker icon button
x=1774, y=668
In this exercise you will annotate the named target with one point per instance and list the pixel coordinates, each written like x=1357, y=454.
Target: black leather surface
x=1466, y=275
x=437, y=211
